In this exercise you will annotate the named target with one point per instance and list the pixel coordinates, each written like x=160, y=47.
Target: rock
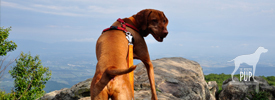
x=146, y=95
x=233, y=92
x=51, y=95
x=213, y=88
x=78, y=91
x=224, y=84
x=270, y=89
x=175, y=78
x=85, y=98
x=241, y=90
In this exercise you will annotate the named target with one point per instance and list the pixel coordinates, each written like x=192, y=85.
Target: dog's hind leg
x=103, y=95
x=123, y=94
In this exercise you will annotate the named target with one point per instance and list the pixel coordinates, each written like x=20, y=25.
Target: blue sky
x=211, y=32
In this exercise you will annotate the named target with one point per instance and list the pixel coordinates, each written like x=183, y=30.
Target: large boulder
x=77, y=91
x=175, y=78
x=243, y=90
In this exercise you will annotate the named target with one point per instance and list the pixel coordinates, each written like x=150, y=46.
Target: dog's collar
x=123, y=25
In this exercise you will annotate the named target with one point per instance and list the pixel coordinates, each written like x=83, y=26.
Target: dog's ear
x=142, y=20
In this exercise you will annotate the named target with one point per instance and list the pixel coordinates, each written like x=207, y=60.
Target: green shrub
x=6, y=96
x=30, y=77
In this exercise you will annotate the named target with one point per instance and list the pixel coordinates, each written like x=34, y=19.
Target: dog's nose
x=165, y=32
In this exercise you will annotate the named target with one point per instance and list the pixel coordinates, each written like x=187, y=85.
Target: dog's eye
x=155, y=20
x=164, y=21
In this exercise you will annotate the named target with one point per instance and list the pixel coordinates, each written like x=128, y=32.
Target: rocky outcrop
x=79, y=90
x=51, y=95
x=176, y=78
x=242, y=90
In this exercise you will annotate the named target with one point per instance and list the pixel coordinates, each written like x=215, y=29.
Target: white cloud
x=245, y=6
x=87, y=10
x=49, y=7
x=56, y=26
x=90, y=8
x=99, y=9
x=37, y=8
x=268, y=11
x=15, y=5
x=52, y=26
x=215, y=46
x=244, y=45
x=81, y=40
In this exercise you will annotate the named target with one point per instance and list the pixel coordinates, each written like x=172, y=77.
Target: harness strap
x=115, y=28
x=122, y=28
x=130, y=63
x=127, y=24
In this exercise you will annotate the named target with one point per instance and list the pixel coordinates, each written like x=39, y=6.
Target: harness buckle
x=129, y=37
x=122, y=23
x=113, y=27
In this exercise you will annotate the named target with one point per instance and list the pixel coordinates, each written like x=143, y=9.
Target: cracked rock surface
x=176, y=78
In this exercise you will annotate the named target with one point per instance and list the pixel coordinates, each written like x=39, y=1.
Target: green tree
x=6, y=45
x=30, y=77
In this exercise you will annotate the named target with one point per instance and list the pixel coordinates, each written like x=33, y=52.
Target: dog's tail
x=230, y=60
x=113, y=71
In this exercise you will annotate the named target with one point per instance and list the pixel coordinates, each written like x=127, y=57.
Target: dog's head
x=150, y=21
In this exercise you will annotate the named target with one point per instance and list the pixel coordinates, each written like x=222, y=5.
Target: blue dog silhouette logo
x=250, y=59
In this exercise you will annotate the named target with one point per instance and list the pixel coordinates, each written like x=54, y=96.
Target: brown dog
x=111, y=79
